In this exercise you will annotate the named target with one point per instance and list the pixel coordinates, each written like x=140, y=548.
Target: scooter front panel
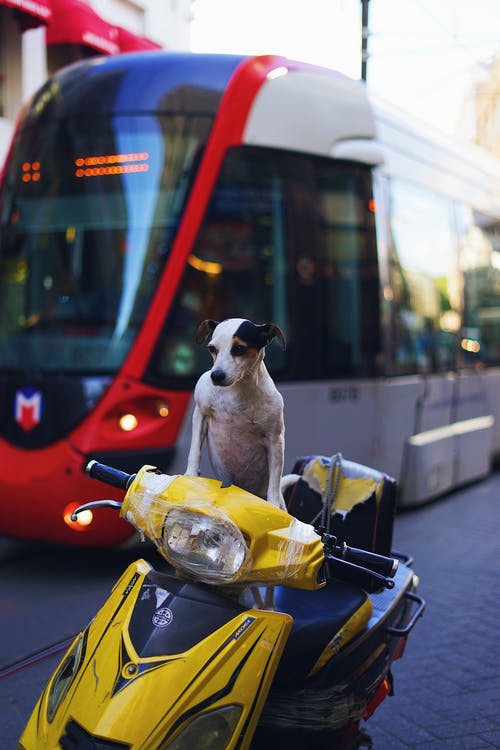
x=144, y=700
x=170, y=616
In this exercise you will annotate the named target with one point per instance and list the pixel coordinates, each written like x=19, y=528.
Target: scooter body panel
x=314, y=704
x=143, y=674
x=167, y=664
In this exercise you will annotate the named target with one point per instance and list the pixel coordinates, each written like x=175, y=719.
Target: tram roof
x=436, y=161
x=294, y=106
x=149, y=81
x=136, y=82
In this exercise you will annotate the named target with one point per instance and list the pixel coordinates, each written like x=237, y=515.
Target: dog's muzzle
x=218, y=377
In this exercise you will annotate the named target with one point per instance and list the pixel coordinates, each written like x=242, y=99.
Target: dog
x=238, y=410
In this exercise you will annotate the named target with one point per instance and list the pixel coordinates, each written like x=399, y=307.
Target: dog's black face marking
x=259, y=336
x=250, y=334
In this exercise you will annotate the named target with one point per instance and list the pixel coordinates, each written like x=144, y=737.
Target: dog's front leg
x=198, y=434
x=275, y=451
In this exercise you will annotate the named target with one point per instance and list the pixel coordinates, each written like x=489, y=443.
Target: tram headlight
x=210, y=548
x=128, y=422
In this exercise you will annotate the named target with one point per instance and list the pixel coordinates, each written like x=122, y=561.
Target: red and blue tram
x=145, y=192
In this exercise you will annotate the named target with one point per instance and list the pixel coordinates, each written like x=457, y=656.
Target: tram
x=146, y=192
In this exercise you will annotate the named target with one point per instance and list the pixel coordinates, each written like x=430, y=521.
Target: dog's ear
x=205, y=330
x=273, y=331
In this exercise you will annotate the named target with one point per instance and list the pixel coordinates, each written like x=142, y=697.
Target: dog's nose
x=218, y=377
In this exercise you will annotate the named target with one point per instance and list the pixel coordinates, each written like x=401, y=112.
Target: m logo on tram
x=28, y=408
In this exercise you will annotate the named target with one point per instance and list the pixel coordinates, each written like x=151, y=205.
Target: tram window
x=288, y=238
x=87, y=218
x=480, y=264
x=237, y=266
x=349, y=269
x=425, y=281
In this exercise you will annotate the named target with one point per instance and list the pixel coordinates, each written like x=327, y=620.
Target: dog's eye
x=212, y=349
x=238, y=350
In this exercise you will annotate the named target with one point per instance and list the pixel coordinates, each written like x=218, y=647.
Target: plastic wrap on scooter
x=263, y=544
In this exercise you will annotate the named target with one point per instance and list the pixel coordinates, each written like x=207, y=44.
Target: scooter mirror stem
x=95, y=504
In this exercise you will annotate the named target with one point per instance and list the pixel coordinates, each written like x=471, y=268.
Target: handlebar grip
x=109, y=475
x=386, y=566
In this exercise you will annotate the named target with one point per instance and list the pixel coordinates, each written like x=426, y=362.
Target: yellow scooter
x=188, y=658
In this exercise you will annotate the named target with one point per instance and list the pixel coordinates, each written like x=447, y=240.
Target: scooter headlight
x=209, y=548
x=63, y=678
x=210, y=731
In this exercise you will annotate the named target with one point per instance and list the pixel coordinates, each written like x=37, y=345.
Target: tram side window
x=480, y=264
x=425, y=281
x=349, y=269
x=236, y=268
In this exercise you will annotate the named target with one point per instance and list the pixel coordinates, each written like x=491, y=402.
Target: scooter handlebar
x=386, y=566
x=109, y=475
x=344, y=559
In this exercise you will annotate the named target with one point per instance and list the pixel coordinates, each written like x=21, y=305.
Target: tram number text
x=346, y=393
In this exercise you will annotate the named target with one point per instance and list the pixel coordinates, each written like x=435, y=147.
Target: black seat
x=318, y=618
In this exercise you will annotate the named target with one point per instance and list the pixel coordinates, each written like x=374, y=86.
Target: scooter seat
x=319, y=617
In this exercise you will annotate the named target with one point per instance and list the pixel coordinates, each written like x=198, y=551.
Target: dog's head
x=237, y=346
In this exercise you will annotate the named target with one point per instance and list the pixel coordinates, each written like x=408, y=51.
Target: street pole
x=364, y=38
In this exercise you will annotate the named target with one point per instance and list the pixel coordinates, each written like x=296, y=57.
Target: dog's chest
x=238, y=449
x=238, y=437
x=236, y=419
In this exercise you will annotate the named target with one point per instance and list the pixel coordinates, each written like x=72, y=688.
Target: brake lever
x=95, y=504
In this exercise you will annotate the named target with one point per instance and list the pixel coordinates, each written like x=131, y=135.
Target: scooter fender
x=164, y=664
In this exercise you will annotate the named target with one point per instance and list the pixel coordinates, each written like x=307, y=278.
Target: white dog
x=238, y=409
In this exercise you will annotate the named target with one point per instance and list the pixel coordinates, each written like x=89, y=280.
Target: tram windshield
x=88, y=212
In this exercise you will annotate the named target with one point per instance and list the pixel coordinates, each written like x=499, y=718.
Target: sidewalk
x=447, y=686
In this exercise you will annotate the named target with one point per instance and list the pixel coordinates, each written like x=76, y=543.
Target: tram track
x=35, y=657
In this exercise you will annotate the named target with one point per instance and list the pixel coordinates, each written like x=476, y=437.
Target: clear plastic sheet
x=141, y=509
x=314, y=710
x=223, y=534
x=196, y=538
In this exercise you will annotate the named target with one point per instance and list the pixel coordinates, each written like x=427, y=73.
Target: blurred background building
x=487, y=100
x=39, y=36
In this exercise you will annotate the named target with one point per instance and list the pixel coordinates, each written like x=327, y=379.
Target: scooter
x=189, y=657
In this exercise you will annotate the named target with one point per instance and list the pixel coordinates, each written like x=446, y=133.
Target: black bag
x=353, y=502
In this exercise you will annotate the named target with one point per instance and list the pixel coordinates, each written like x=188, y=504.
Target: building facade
x=38, y=37
x=487, y=98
